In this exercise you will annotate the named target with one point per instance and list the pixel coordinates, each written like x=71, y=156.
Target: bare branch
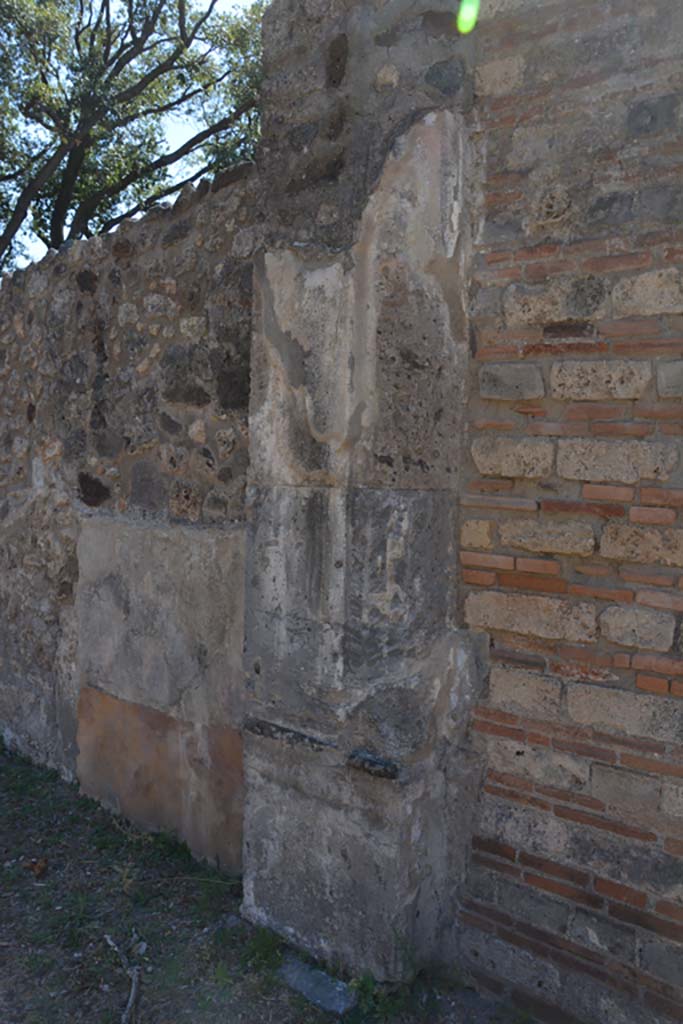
x=87, y=208
x=168, y=191
x=29, y=193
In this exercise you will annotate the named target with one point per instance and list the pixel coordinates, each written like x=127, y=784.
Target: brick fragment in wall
x=644, y=544
x=586, y=380
x=649, y=294
x=477, y=533
x=549, y=617
x=625, y=462
x=525, y=692
x=622, y=712
x=510, y=381
x=505, y=456
x=670, y=378
x=638, y=627
x=561, y=538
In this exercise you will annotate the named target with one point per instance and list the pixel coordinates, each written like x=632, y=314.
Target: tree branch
x=87, y=208
x=29, y=193
x=62, y=203
x=140, y=207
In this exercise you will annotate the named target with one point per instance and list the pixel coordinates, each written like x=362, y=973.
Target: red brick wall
x=572, y=544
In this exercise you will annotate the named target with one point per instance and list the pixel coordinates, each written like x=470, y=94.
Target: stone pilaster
x=358, y=798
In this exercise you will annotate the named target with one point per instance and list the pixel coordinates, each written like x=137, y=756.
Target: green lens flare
x=468, y=15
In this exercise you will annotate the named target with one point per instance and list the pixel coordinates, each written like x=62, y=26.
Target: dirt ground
x=86, y=901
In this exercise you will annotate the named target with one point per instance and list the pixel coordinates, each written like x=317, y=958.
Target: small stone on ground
x=319, y=988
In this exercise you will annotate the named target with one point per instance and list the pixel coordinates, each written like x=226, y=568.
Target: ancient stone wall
x=571, y=540
x=125, y=385
x=456, y=580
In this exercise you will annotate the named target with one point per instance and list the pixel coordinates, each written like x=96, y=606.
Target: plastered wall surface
x=424, y=591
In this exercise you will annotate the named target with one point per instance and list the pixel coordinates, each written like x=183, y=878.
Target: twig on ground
x=129, y=1015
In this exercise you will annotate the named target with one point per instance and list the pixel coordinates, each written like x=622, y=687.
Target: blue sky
x=177, y=131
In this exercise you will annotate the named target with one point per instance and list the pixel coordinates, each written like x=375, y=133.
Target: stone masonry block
x=477, y=533
x=510, y=381
x=671, y=802
x=663, y=960
x=547, y=767
x=624, y=791
x=548, y=617
x=599, y=379
x=558, y=538
x=622, y=712
x=526, y=693
x=670, y=378
x=638, y=627
x=624, y=462
x=626, y=543
x=649, y=294
x=509, y=962
x=604, y=936
x=506, y=456
x=500, y=77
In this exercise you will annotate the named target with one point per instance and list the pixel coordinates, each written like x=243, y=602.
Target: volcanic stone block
x=638, y=627
x=507, y=456
x=598, y=380
x=624, y=462
x=549, y=617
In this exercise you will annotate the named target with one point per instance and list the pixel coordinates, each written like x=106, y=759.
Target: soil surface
x=88, y=903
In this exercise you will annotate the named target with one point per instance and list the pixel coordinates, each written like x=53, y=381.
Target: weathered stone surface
x=506, y=456
x=638, y=627
x=599, y=379
x=672, y=800
x=359, y=358
x=619, y=711
x=625, y=462
x=160, y=617
x=602, y=935
x=548, y=768
x=561, y=299
x=649, y=294
x=164, y=773
x=509, y=962
x=317, y=987
x=357, y=858
x=510, y=381
x=500, y=77
x=670, y=378
x=477, y=533
x=559, y=538
x=549, y=617
x=625, y=543
x=619, y=858
x=662, y=959
x=526, y=693
x=356, y=439
x=625, y=791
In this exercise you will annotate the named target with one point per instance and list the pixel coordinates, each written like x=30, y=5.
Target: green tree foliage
x=86, y=87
